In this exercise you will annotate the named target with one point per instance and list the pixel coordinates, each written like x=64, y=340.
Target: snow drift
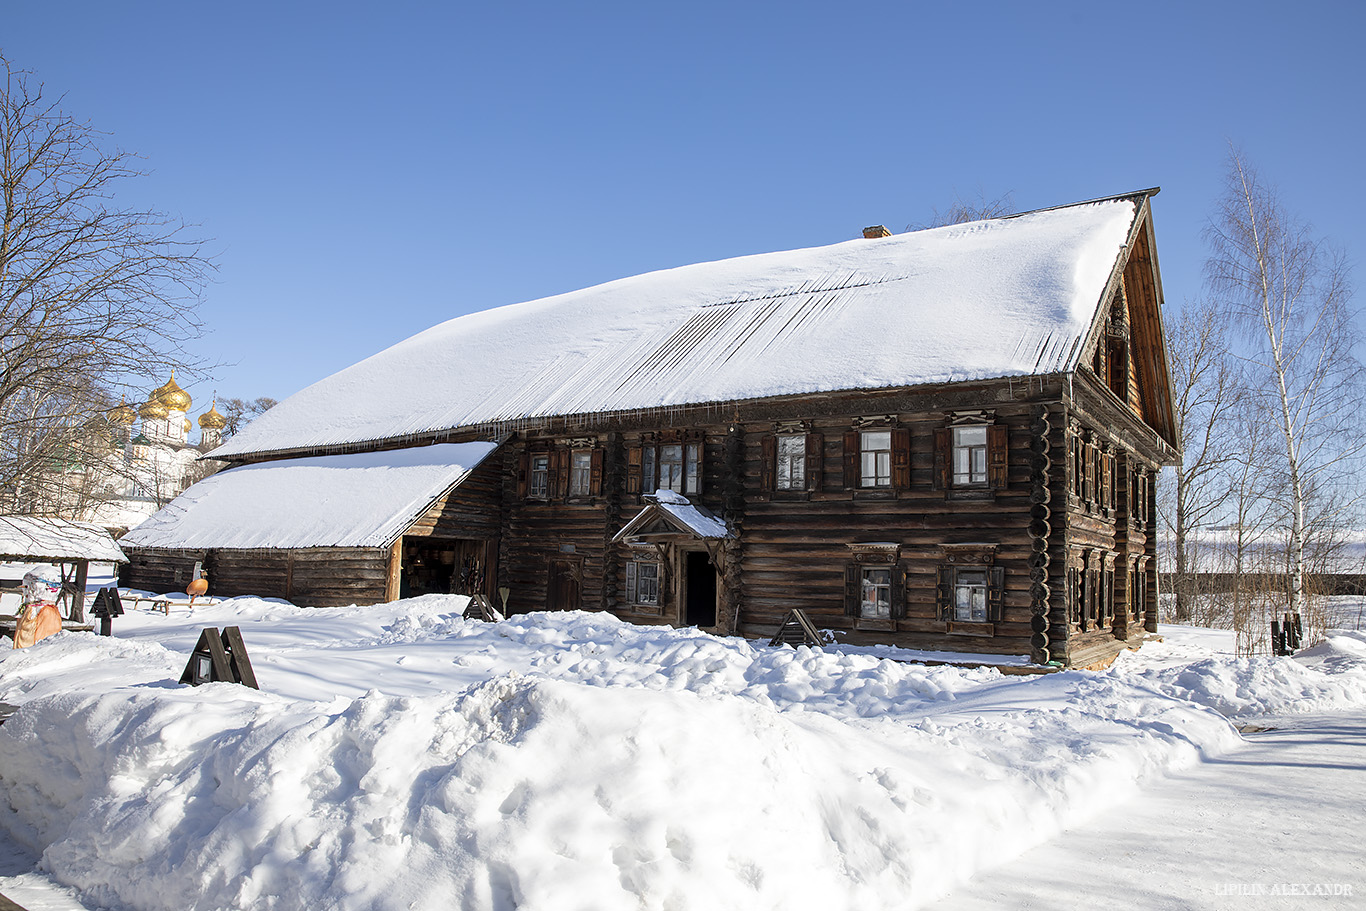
x=585, y=763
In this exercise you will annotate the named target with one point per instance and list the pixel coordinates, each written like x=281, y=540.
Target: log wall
x=313, y=576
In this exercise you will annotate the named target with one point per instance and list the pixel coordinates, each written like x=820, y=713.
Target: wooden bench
x=9, y=622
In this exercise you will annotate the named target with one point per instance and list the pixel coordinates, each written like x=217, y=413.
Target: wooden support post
x=392, y=585
x=77, y=613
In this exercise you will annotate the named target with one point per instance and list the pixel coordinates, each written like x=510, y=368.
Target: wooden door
x=563, y=591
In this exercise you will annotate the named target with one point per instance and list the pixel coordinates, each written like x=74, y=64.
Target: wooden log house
x=946, y=439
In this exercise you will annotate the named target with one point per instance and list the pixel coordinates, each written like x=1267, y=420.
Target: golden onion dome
x=123, y=414
x=153, y=409
x=172, y=396
x=188, y=425
x=211, y=419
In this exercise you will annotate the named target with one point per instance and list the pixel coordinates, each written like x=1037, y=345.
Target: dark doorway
x=563, y=591
x=442, y=566
x=700, y=609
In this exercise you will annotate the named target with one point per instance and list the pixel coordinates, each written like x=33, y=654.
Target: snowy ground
x=401, y=757
x=1262, y=827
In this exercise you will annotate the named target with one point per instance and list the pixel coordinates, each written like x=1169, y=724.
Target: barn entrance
x=699, y=589
x=442, y=566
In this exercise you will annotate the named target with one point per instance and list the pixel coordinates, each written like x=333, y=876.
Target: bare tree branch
x=94, y=297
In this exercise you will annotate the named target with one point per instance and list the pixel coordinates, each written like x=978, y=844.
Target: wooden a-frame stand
x=220, y=658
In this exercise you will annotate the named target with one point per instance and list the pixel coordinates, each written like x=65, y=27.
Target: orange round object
x=38, y=621
x=197, y=587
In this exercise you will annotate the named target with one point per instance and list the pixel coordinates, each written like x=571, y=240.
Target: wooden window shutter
x=595, y=474
x=815, y=460
x=1089, y=454
x=941, y=458
x=996, y=589
x=853, y=594
x=1106, y=481
x=851, y=459
x=998, y=456
x=943, y=591
x=1073, y=596
x=901, y=458
x=633, y=478
x=523, y=472
x=649, y=472
x=898, y=593
x=631, y=581
x=560, y=459
x=768, y=463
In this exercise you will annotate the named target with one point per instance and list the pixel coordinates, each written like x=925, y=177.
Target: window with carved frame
x=972, y=454
x=877, y=455
x=642, y=581
x=791, y=460
x=970, y=589
x=561, y=469
x=875, y=583
x=666, y=461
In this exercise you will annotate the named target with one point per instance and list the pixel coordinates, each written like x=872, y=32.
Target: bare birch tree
x=1205, y=382
x=1288, y=293
x=93, y=297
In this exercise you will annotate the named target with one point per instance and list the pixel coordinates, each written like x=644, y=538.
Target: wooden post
x=77, y=612
x=391, y=585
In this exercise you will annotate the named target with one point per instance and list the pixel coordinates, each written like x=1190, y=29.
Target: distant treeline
x=1223, y=583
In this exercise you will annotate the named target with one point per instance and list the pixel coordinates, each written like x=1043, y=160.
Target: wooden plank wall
x=338, y=576
x=314, y=577
x=159, y=571
x=796, y=550
x=471, y=511
x=539, y=531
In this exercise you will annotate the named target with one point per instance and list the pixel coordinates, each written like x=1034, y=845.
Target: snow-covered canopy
x=354, y=500
x=56, y=541
x=678, y=513
x=1003, y=297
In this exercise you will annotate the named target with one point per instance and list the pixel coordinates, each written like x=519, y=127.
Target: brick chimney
x=876, y=231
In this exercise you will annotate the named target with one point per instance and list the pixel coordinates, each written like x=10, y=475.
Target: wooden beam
x=392, y=584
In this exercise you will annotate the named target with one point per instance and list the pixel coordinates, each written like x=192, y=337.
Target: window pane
x=877, y=594
x=671, y=468
x=580, y=473
x=648, y=470
x=791, y=462
x=539, y=483
x=970, y=454
x=970, y=596
x=647, y=583
x=694, y=468
x=876, y=458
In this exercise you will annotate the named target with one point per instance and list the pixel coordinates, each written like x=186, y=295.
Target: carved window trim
x=868, y=562
x=962, y=566
x=644, y=460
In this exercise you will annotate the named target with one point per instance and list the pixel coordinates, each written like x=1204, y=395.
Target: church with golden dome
x=153, y=459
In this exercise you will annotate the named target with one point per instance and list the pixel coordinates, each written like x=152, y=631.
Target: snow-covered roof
x=677, y=512
x=56, y=540
x=1002, y=297
x=354, y=500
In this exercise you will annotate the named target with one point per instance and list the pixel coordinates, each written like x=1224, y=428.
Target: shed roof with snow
x=35, y=538
x=1002, y=297
x=353, y=500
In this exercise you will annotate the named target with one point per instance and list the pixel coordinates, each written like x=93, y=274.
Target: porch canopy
x=670, y=517
x=353, y=500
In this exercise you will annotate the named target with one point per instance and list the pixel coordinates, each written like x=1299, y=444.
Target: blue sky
x=368, y=170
